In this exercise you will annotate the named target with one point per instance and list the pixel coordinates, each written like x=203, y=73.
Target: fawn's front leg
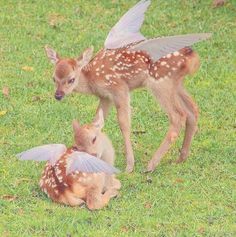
x=122, y=103
x=104, y=104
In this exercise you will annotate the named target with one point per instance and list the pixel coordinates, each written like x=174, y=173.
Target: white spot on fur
x=168, y=55
x=174, y=68
x=176, y=53
x=108, y=77
x=60, y=178
x=97, y=74
x=163, y=63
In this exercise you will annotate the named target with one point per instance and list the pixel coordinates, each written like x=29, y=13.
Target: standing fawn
x=130, y=61
x=73, y=177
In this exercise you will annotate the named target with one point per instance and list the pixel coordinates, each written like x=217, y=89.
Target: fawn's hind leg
x=96, y=199
x=167, y=95
x=191, y=123
x=70, y=198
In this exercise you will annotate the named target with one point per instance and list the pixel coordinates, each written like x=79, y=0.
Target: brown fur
x=112, y=74
x=64, y=67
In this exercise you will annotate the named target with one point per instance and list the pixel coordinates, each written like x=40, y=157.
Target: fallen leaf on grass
x=21, y=211
x=28, y=69
x=5, y=91
x=30, y=84
x=148, y=205
x=124, y=229
x=55, y=19
x=139, y=132
x=3, y=112
x=6, y=234
x=18, y=181
x=178, y=180
x=201, y=230
x=218, y=3
x=36, y=98
x=9, y=198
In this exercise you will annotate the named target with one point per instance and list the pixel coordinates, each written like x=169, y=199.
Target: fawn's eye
x=94, y=140
x=71, y=81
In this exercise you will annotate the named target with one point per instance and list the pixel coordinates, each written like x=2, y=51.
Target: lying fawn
x=73, y=177
x=130, y=61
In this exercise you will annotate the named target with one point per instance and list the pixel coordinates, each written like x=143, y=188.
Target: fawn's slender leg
x=169, y=100
x=104, y=104
x=191, y=123
x=71, y=199
x=123, y=114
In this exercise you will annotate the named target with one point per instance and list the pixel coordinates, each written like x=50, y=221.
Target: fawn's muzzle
x=59, y=95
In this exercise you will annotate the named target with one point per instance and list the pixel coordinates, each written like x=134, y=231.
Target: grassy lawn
x=196, y=198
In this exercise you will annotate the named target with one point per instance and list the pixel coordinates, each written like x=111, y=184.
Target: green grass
x=192, y=199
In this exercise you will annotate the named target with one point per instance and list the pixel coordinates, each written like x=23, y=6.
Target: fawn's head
x=66, y=73
x=88, y=137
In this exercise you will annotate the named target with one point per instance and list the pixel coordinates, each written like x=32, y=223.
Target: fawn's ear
x=52, y=55
x=99, y=120
x=85, y=58
x=75, y=125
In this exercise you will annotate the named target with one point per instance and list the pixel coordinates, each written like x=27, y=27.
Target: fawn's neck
x=83, y=85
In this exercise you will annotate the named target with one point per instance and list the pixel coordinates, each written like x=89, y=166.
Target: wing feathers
x=50, y=152
x=126, y=30
x=83, y=162
x=159, y=47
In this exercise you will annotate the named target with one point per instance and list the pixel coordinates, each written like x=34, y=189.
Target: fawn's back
x=112, y=69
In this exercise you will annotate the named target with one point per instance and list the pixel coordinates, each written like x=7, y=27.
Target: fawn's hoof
x=129, y=168
x=180, y=160
x=183, y=157
x=151, y=166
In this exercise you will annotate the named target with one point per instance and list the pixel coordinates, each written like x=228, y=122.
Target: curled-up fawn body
x=74, y=178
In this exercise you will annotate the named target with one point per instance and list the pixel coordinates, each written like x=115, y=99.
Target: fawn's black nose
x=59, y=95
